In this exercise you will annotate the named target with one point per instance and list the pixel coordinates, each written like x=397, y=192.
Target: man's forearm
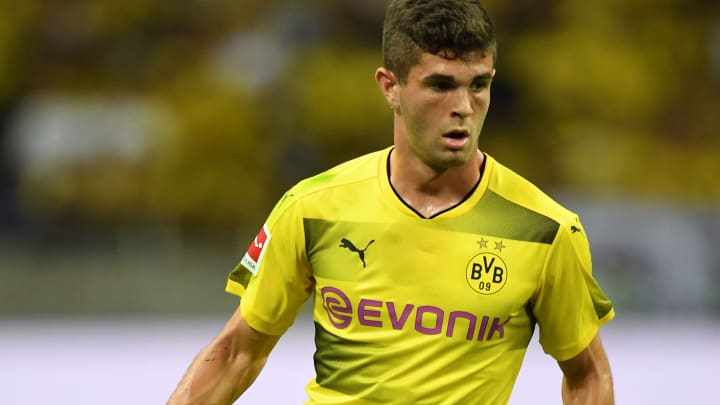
x=595, y=390
x=217, y=376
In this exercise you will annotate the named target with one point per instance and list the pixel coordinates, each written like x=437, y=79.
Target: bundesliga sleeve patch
x=255, y=252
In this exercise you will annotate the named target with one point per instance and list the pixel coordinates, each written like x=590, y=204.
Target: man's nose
x=462, y=103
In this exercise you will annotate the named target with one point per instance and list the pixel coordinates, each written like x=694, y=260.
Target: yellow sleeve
x=274, y=278
x=569, y=306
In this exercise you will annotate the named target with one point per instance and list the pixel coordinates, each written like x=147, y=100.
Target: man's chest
x=399, y=265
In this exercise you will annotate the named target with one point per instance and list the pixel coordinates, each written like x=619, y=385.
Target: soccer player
x=429, y=263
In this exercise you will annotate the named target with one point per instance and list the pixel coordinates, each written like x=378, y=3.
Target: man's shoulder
x=349, y=172
x=517, y=189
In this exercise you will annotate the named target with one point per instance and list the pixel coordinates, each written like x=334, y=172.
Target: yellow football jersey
x=413, y=310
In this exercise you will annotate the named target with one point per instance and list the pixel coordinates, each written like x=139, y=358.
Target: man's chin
x=451, y=159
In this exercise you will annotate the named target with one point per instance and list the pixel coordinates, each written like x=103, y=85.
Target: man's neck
x=429, y=191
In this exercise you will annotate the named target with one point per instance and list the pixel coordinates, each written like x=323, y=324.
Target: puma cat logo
x=345, y=243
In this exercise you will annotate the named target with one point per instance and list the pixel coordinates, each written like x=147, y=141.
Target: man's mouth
x=457, y=134
x=456, y=139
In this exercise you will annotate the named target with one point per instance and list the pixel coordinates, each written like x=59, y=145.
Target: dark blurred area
x=143, y=143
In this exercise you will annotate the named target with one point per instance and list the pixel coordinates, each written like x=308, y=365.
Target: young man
x=429, y=263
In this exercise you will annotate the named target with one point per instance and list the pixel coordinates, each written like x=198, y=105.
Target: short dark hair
x=449, y=28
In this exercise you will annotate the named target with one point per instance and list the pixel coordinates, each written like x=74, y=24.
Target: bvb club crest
x=486, y=273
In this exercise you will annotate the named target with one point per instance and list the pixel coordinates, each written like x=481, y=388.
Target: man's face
x=442, y=108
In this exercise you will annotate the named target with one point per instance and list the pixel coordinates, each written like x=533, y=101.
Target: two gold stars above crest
x=499, y=246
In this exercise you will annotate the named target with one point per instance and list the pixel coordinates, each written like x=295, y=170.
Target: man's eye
x=479, y=86
x=442, y=86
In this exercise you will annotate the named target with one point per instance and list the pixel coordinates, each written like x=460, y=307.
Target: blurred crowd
x=201, y=113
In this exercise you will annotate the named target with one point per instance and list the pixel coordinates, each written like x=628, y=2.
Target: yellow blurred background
x=143, y=143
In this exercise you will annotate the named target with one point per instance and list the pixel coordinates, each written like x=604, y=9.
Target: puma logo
x=345, y=243
x=574, y=229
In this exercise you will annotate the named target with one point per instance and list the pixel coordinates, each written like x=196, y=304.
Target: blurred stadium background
x=142, y=144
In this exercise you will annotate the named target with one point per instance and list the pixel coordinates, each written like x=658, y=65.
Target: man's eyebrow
x=484, y=76
x=437, y=77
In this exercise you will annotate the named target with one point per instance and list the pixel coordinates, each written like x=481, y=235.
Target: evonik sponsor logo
x=424, y=319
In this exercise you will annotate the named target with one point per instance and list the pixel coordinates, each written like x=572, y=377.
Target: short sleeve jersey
x=413, y=310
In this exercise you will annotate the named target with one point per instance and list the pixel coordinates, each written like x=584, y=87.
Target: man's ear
x=387, y=81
